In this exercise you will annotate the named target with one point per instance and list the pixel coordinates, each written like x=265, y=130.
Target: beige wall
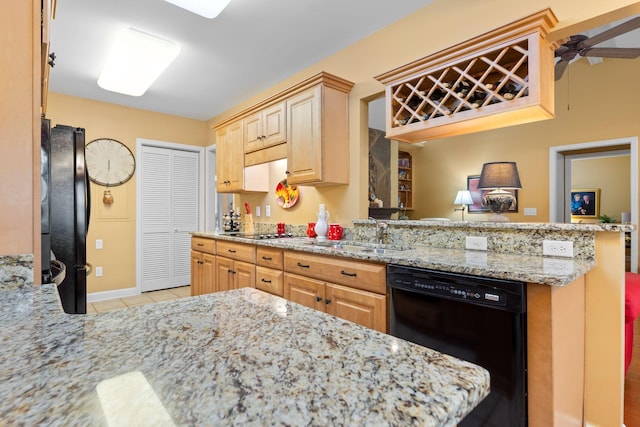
x=609, y=174
x=116, y=224
x=593, y=103
x=428, y=31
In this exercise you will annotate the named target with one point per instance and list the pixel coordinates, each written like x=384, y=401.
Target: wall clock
x=109, y=163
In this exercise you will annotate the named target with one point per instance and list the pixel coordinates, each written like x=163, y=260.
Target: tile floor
x=145, y=298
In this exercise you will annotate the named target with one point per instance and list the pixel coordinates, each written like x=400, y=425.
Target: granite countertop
x=551, y=271
x=240, y=357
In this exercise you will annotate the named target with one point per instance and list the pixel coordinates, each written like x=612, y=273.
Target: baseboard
x=119, y=293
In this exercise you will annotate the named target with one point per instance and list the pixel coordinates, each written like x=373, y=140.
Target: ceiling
x=249, y=47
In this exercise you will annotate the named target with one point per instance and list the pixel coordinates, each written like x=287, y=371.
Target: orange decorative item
x=335, y=232
x=107, y=199
x=287, y=195
x=311, y=229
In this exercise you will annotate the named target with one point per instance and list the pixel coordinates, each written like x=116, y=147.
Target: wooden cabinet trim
x=270, y=280
x=269, y=257
x=202, y=244
x=239, y=251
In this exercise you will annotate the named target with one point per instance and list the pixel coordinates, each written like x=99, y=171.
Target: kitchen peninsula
x=241, y=357
x=574, y=305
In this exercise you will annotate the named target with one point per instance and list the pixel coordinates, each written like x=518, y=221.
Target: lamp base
x=498, y=202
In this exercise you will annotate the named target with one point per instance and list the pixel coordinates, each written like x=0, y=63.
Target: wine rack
x=501, y=78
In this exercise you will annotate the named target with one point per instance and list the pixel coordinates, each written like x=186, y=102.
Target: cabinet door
x=304, y=291
x=224, y=274
x=253, y=132
x=274, y=129
x=196, y=273
x=304, y=137
x=244, y=275
x=230, y=158
x=361, y=307
x=208, y=267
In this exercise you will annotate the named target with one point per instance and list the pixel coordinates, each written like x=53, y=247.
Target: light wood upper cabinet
x=265, y=128
x=229, y=158
x=317, y=136
x=306, y=124
x=501, y=78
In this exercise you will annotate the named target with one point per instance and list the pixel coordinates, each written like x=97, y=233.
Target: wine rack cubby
x=502, y=78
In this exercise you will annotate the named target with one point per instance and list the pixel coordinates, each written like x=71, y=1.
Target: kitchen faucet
x=381, y=227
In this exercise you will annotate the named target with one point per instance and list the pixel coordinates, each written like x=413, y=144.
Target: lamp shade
x=499, y=175
x=463, y=198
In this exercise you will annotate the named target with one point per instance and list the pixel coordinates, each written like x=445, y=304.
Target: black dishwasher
x=477, y=319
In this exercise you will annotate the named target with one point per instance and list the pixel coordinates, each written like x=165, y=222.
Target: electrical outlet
x=557, y=248
x=476, y=243
x=98, y=243
x=531, y=211
x=98, y=271
x=257, y=211
x=267, y=211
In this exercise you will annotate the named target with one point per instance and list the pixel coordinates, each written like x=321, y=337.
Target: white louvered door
x=170, y=210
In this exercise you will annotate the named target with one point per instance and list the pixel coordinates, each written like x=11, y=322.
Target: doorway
x=169, y=199
x=560, y=158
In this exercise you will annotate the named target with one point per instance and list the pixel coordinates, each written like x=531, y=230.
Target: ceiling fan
x=581, y=45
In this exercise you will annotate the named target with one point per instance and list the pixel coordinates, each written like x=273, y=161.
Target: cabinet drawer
x=269, y=257
x=239, y=251
x=270, y=280
x=361, y=275
x=203, y=244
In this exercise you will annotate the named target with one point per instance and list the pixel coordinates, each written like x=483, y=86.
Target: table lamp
x=463, y=198
x=498, y=177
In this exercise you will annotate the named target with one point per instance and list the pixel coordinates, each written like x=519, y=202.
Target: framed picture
x=585, y=203
x=477, y=195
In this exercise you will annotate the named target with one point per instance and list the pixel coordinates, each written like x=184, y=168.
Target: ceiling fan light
x=207, y=8
x=136, y=60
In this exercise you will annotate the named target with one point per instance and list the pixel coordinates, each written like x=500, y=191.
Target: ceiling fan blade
x=559, y=69
x=612, y=52
x=625, y=27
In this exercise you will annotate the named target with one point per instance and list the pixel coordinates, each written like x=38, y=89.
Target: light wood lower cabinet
x=202, y=273
x=232, y=274
x=361, y=307
x=269, y=280
x=202, y=266
x=360, y=295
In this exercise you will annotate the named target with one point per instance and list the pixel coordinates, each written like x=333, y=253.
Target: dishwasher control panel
x=508, y=295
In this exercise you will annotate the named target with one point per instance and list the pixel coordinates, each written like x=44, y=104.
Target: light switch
x=257, y=210
x=267, y=211
x=98, y=243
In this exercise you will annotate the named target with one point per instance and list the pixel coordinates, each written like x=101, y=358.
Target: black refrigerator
x=68, y=212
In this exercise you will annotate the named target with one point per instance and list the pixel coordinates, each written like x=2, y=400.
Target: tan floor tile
x=137, y=300
x=183, y=291
x=164, y=295
x=107, y=305
x=91, y=309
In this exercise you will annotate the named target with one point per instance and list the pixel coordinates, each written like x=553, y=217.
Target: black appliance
x=477, y=319
x=67, y=221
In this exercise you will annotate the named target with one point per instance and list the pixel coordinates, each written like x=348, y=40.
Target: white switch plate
x=98, y=243
x=557, y=248
x=257, y=210
x=98, y=271
x=476, y=243
x=267, y=211
x=531, y=211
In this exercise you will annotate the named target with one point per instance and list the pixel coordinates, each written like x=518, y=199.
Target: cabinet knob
x=327, y=301
x=287, y=172
x=318, y=298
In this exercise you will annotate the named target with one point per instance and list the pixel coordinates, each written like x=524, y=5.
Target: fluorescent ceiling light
x=207, y=8
x=137, y=59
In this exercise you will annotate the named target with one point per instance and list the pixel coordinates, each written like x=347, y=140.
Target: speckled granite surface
x=524, y=267
x=240, y=357
x=16, y=270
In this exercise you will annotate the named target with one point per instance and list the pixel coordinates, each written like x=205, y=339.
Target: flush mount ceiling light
x=207, y=8
x=136, y=60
